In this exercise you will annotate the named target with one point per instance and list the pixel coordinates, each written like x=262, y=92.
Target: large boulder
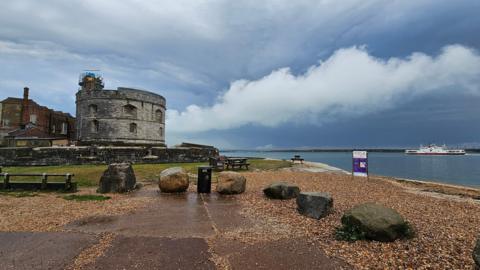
x=476, y=253
x=173, y=180
x=376, y=222
x=231, y=183
x=281, y=191
x=119, y=177
x=314, y=204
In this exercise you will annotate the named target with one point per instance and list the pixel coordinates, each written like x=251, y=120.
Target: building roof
x=31, y=132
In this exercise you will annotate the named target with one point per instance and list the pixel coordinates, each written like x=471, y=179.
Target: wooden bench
x=237, y=163
x=297, y=158
x=68, y=185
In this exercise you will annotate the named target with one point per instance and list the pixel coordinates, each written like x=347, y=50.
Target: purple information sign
x=360, y=163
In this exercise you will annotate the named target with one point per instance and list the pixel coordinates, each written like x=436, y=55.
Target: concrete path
x=185, y=231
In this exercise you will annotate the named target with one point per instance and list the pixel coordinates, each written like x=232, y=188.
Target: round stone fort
x=125, y=116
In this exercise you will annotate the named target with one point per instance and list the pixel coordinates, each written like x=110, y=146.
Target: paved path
x=185, y=231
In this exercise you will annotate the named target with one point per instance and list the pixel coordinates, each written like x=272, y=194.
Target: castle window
x=160, y=131
x=94, y=126
x=33, y=118
x=92, y=108
x=133, y=128
x=158, y=115
x=130, y=111
x=64, y=128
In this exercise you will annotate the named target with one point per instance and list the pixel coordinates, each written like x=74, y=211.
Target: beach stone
x=281, y=191
x=231, y=183
x=118, y=178
x=476, y=253
x=314, y=204
x=377, y=222
x=173, y=180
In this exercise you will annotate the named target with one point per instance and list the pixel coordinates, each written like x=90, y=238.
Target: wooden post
x=44, y=181
x=6, y=181
x=68, y=181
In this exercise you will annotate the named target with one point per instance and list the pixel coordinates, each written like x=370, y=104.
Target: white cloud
x=349, y=83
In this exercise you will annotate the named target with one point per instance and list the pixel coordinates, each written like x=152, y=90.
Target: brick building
x=24, y=119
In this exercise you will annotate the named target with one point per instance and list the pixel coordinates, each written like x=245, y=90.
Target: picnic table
x=236, y=163
x=297, y=158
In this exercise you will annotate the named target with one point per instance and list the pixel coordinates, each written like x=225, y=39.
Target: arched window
x=160, y=131
x=133, y=128
x=158, y=115
x=92, y=108
x=130, y=111
x=94, y=126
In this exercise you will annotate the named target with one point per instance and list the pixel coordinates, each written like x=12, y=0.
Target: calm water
x=460, y=170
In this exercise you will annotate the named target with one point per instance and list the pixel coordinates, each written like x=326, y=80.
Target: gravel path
x=446, y=228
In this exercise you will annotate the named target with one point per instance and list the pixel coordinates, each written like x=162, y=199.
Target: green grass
x=89, y=175
x=82, y=198
x=17, y=193
x=265, y=164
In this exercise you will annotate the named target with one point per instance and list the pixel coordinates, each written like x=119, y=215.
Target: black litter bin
x=204, y=184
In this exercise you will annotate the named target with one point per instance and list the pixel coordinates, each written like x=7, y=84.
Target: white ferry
x=432, y=149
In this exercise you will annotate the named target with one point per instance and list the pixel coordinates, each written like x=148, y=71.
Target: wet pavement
x=41, y=250
x=175, y=231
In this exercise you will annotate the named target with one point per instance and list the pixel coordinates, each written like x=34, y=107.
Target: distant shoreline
x=373, y=150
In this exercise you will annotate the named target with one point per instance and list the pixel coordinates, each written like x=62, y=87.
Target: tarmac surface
x=176, y=231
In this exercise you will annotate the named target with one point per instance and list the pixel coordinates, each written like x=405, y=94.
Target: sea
x=457, y=170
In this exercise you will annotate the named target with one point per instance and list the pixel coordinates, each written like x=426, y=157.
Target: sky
x=262, y=74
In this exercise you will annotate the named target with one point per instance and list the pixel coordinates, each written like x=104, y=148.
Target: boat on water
x=433, y=150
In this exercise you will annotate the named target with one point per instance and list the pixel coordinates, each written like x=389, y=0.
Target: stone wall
x=120, y=117
x=44, y=156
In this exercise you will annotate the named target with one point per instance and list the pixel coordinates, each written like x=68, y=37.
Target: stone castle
x=124, y=116
x=123, y=125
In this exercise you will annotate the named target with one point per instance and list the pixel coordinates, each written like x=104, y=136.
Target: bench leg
x=44, y=181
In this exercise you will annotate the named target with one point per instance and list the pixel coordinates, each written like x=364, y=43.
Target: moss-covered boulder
x=375, y=222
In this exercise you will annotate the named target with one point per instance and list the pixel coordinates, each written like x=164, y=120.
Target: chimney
x=25, y=94
x=25, y=108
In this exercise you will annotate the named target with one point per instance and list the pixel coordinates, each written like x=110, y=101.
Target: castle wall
x=120, y=117
x=51, y=156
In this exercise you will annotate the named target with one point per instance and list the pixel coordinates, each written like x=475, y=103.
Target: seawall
x=49, y=156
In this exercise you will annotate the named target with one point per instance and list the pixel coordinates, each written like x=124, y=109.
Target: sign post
x=360, y=163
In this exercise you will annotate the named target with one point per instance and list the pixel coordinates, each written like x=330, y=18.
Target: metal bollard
x=204, y=184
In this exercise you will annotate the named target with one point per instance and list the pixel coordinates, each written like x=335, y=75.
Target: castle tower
x=124, y=116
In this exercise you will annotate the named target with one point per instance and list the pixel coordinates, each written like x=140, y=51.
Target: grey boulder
x=118, y=178
x=377, y=222
x=476, y=253
x=231, y=183
x=173, y=180
x=314, y=204
x=281, y=191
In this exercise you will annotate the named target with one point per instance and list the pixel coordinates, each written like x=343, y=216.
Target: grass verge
x=82, y=198
x=89, y=175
